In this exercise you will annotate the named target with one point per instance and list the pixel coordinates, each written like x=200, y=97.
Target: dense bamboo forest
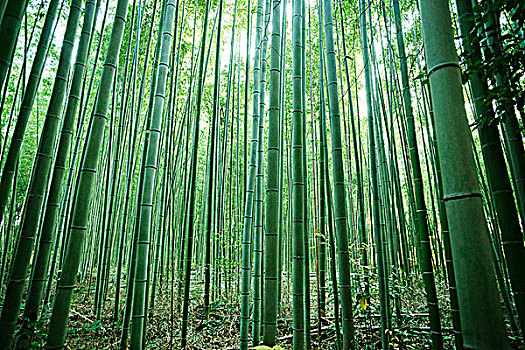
x=262, y=174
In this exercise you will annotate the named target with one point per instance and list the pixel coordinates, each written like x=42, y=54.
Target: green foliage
x=502, y=23
x=31, y=335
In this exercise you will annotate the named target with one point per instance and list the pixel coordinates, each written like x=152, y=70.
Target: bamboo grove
x=262, y=174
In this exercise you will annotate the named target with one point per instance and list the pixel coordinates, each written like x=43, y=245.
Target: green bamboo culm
x=132, y=262
x=211, y=175
x=481, y=315
x=306, y=230
x=451, y=275
x=38, y=184
x=2, y=10
x=30, y=90
x=494, y=159
x=133, y=135
x=359, y=173
x=259, y=179
x=298, y=180
x=272, y=184
x=325, y=200
x=190, y=226
x=281, y=146
x=489, y=28
x=82, y=202
x=150, y=152
x=374, y=187
x=425, y=255
x=10, y=26
x=250, y=190
x=340, y=207
x=49, y=223
x=322, y=231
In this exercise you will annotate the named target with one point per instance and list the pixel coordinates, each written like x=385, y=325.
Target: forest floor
x=221, y=329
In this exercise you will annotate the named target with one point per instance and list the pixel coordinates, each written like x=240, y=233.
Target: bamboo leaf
x=363, y=303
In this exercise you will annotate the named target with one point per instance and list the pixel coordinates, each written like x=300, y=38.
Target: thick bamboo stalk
x=480, y=312
x=82, y=204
